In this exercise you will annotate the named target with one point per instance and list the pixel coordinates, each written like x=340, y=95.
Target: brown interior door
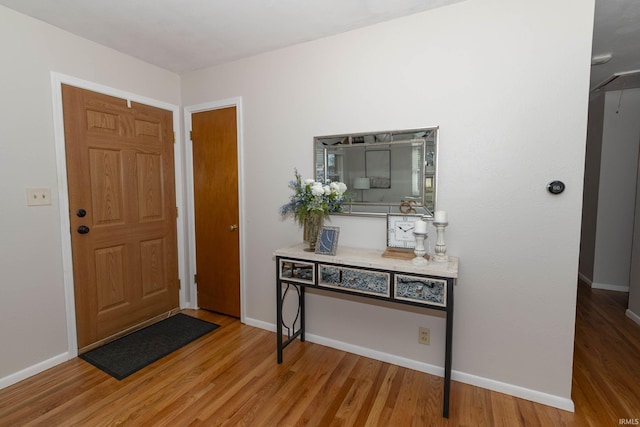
x=215, y=176
x=120, y=171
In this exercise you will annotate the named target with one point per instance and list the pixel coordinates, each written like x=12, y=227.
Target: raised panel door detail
x=110, y=277
x=150, y=196
x=106, y=186
x=152, y=265
x=421, y=289
x=102, y=122
x=146, y=128
x=355, y=280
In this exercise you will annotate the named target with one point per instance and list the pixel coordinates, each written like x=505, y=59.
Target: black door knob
x=83, y=229
x=81, y=213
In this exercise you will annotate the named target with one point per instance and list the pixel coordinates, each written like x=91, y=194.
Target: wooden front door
x=120, y=171
x=215, y=178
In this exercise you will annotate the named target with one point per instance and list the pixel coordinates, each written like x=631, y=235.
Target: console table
x=365, y=273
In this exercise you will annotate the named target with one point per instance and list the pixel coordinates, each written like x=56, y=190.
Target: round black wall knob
x=556, y=187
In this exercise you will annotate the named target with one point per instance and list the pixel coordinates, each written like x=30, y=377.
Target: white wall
x=32, y=308
x=617, y=190
x=507, y=82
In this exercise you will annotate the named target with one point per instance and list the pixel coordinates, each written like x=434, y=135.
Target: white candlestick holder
x=441, y=247
x=419, y=250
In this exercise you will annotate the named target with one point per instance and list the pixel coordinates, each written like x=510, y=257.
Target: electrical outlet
x=38, y=196
x=424, y=335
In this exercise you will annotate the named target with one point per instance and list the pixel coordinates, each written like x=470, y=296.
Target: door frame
x=188, y=111
x=57, y=80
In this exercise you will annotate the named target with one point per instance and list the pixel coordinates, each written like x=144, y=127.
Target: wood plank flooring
x=230, y=377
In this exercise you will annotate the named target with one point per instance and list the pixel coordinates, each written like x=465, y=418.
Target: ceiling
x=183, y=36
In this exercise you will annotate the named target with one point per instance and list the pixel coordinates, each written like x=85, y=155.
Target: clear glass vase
x=312, y=224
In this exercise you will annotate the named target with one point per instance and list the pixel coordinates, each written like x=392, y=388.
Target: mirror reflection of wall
x=377, y=164
x=361, y=183
x=398, y=166
x=335, y=170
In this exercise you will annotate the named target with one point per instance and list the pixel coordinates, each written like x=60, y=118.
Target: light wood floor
x=230, y=377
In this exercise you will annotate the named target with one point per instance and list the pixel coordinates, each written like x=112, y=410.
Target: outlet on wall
x=424, y=335
x=38, y=196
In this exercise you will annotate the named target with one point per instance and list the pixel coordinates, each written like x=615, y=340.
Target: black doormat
x=126, y=355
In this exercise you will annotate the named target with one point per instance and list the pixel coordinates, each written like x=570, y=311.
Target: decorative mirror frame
x=328, y=165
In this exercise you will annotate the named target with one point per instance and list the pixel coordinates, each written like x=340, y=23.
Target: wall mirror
x=385, y=172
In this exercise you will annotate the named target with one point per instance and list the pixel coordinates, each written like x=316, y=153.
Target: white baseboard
x=605, y=286
x=608, y=287
x=33, y=370
x=515, y=390
x=377, y=355
x=585, y=279
x=631, y=315
x=510, y=389
x=260, y=324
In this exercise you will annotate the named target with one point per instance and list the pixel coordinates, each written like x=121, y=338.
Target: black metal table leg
x=301, y=305
x=279, y=316
x=448, y=350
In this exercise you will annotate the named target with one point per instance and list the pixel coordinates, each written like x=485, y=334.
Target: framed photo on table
x=327, y=242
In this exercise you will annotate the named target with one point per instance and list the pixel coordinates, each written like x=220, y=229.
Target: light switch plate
x=38, y=196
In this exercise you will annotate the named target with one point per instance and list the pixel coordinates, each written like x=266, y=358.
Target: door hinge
x=195, y=278
x=191, y=135
x=177, y=212
x=179, y=284
x=174, y=137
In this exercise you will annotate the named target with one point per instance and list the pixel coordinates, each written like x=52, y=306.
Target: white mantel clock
x=400, y=230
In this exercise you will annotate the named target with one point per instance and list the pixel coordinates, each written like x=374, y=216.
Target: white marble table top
x=371, y=258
